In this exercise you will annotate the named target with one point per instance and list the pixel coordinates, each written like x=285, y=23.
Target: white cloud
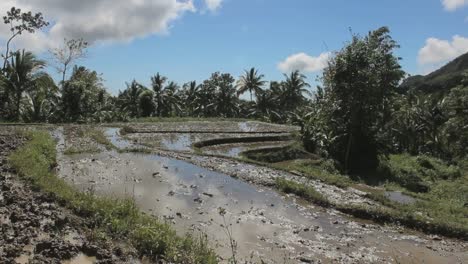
x=438, y=51
x=452, y=5
x=304, y=63
x=213, y=5
x=98, y=20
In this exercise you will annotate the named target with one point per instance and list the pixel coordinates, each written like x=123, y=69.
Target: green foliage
x=273, y=155
x=84, y=98
x=118, y=218
x=354, y=104
x=21, y=75
x=417, y=173
x=304, y=191
x=251, y=81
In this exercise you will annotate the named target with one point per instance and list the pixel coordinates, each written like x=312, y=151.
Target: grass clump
x=273, y=155
x=119, y=218
x=416, y=173
x=87, y=140
x=301, y=190
x=322, y=170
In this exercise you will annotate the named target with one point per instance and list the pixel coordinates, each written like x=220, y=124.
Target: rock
x=305, y=260
x=171, y=193
x=208, y=194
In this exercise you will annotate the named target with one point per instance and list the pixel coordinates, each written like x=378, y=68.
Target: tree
x=42, y=100
x=82, y=95
x=145, y=103
x=220, y=88
x=19, y=23
x=157, y=83
x=251, y=81
x=293, y=90
x=129, y=99
x=20, y=75
x=359, y=84
x=191, y=97
x=65, y=56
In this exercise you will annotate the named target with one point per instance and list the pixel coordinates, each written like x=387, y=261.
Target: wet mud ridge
x=34, y=228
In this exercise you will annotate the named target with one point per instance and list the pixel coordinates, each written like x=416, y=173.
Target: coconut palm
x=42, y=100
x=191, y=97
x=157, y=83
x=251, y=81
x=293, y=89
x=130, y=98
x=20, y=75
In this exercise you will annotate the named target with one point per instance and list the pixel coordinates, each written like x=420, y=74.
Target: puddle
x=400, y=197
x=235, y=150
x=81, y=259
x=114, y=137
x=177, y=142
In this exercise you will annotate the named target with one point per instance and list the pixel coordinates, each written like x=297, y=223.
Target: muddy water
x=265, y=224
x=235, y=150
x=400, y=197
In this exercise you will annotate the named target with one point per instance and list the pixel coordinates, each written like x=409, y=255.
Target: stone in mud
x=208, y=194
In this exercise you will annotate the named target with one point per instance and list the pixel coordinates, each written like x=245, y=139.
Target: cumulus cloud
x=438, y=51
x=213, y=5
x=452, y=5
x=99, y=20
x=304, y=62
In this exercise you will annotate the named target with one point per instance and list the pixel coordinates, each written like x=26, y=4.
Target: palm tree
x=43, y=99
x=21, y=73
x=130, y=98
x=157, y=83
x=294, y=88
x=251, y=81
x=191, y=96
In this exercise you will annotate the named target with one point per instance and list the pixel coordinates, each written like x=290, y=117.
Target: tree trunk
x=63, y=74
x=18, y=104
x=348, y=151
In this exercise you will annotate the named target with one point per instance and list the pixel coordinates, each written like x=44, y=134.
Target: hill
x=441, y=80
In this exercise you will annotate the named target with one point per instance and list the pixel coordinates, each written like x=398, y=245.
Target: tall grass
x=119, y=218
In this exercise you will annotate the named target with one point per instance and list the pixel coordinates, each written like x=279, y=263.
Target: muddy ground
x=34, y=228
x=187, y=190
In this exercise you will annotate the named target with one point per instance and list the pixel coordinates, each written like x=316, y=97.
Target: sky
x=188, y=40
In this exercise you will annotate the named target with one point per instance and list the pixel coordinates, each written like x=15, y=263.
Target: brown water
x=265, y=224
x=235, y=150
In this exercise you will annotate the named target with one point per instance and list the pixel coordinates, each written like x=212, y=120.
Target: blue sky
x=238, y=34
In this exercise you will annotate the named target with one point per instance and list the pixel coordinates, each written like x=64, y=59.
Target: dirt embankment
x=34, y=228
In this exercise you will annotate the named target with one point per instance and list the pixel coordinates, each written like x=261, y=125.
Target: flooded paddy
x=212, y=127
x=235, y=150
x=265, y=224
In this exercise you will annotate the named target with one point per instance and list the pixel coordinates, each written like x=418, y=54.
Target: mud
x=235, y=150
x=34, y=228
x=227, y=127
x=188, y=191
